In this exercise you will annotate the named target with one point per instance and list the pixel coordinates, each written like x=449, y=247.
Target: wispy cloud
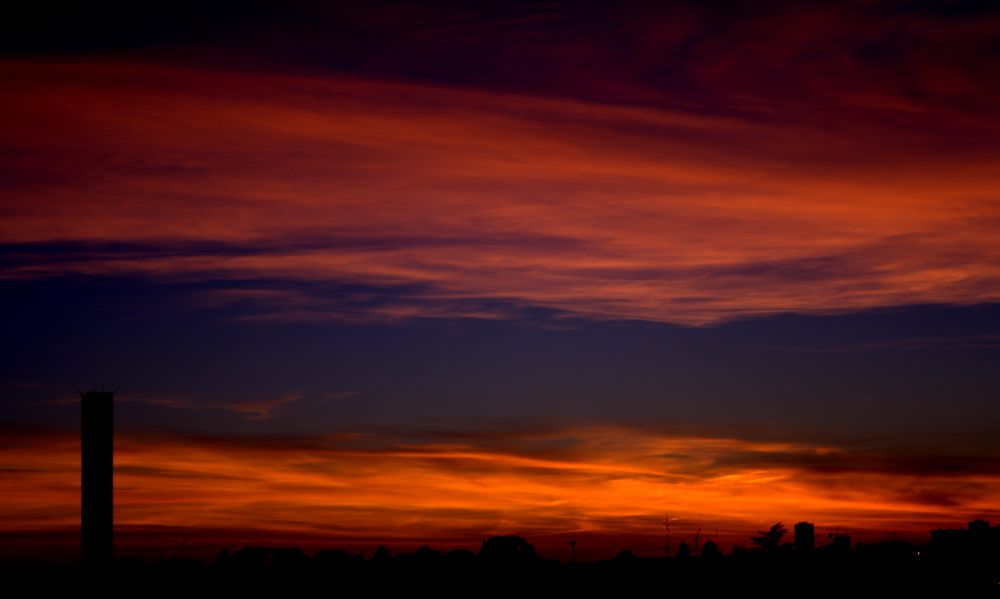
x=252, y=409
x=332, y=198
x=261, y=409
x=462, y=486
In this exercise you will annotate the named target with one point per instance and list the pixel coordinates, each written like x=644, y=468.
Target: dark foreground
x=509, y=566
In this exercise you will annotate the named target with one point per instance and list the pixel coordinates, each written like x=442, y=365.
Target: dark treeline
x=957, y=563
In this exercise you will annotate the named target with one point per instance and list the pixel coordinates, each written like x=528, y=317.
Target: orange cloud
x=604, y=483
x=449, y=202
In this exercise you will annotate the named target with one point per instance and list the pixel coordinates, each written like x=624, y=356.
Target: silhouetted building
x=805, y=537
x=97, y=482
x=979, y=537
x=979, y=526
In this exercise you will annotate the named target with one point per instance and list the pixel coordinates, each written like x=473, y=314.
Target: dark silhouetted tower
x=805, y=537
x=97, y=482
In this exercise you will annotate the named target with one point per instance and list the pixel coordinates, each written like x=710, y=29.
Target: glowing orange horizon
x=599, y=482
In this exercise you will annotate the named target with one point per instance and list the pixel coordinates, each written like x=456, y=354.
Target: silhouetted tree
x=509, y=548
x=770, y=540
x=683, y=551
x=337, y=558
x=223, y=558
x=840, y=544
x=425, y=554
x=460, y=556
x=710, y=550
x=382, y=553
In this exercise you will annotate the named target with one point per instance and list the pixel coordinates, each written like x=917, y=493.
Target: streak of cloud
x=597, y=480
x=334, y=198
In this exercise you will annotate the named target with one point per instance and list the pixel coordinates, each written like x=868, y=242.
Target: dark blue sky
x=898, y=375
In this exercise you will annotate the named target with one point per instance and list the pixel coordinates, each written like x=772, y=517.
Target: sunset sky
x=407, y=273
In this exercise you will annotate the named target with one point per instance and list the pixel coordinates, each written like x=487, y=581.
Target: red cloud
x=436, y=201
